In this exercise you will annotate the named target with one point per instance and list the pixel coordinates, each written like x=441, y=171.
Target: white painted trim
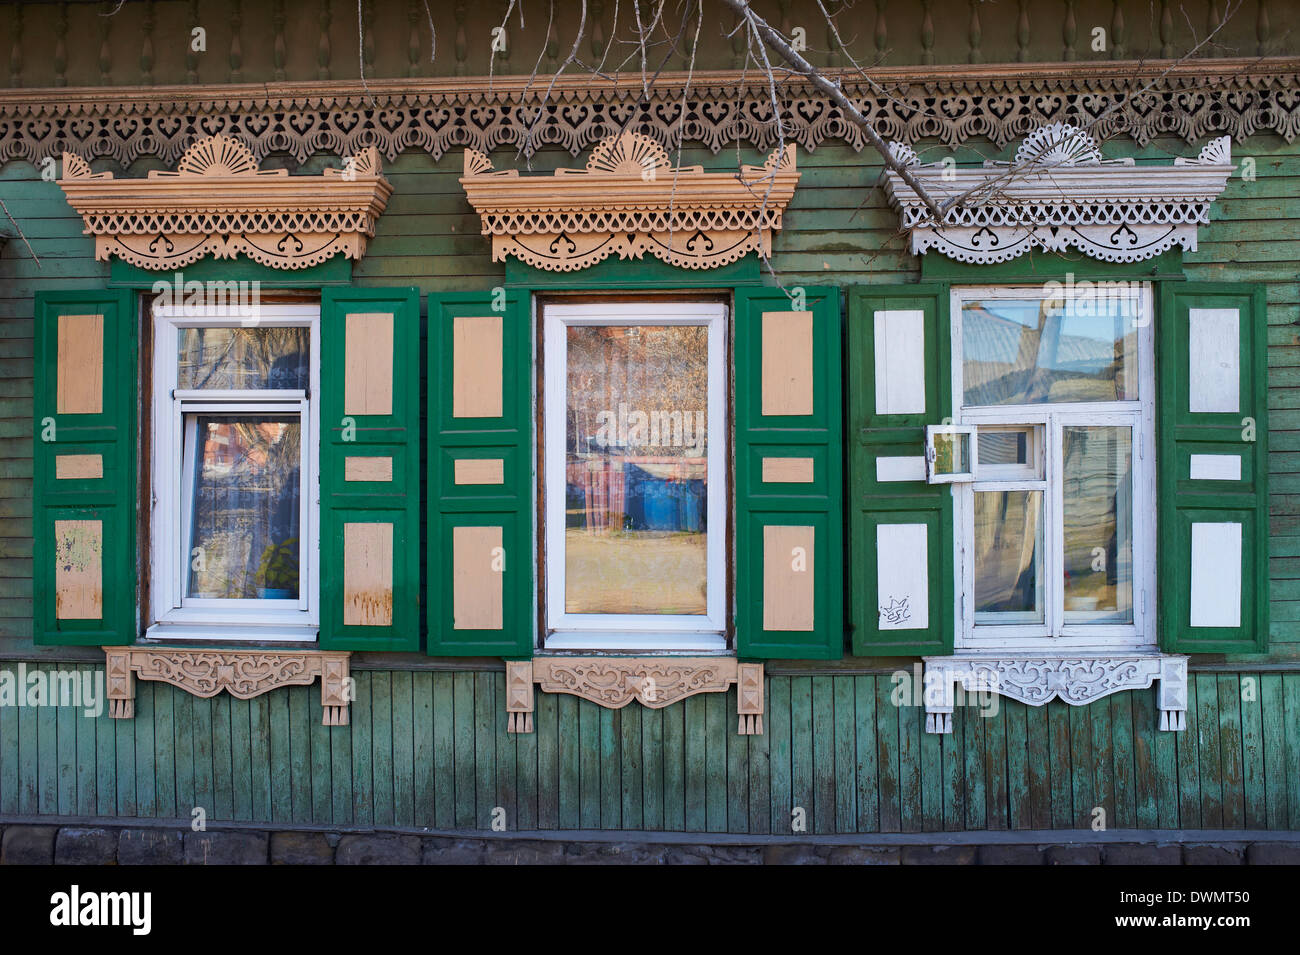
x=903, y=576
x=1215, y=467
x=172, y=615
x=634, y=631
x=972, y=454
x=1052, y=201
x=907, y=468
x=1214, y=360
x=1055, y=634
x=900, y=361
x=1216, y=574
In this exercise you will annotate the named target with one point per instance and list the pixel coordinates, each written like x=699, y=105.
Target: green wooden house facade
x=433, y=724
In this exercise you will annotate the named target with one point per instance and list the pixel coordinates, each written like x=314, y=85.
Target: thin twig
x=21, y=234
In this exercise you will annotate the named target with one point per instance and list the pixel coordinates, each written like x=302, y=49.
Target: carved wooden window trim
x=217, y=202
x=627, y=201
x=244, y=674
x=614, y=682
x=1058, y=194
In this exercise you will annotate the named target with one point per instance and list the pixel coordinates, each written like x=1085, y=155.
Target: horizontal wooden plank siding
x=838, y=230
x=825, y=763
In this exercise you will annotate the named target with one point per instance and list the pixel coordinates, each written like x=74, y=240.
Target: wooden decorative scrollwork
x=242, y=673
x=614, y=682
x=217, y=202
x=628, y=201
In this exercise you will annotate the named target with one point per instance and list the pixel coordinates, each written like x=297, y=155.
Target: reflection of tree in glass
x=647, y=368
x=246, y=499
x=261, y=357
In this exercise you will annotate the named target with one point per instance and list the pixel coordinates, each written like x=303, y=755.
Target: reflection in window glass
x=1004, y=447
x=1027, y=351
x=1008, y=557
x=1098, y=516
x=636, y=462
x=253, y=358
x=245, y=505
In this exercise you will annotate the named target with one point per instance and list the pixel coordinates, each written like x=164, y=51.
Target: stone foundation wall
x=105, y=845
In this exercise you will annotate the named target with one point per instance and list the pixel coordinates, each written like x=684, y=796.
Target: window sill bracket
x=614, y=682
x=242, y=673
x=1036, y=679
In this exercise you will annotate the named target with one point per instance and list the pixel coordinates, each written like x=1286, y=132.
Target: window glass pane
x=255, y=358
x=951, y=453
x=1027, y=351
x=636, y=465
x=1097, y=471
x=1008, y=557
x=244, y=501
x=1003, y=447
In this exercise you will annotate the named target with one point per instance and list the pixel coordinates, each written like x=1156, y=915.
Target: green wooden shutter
x=84, y=508
x=370, y=469
x=1213, y=469
x=901, y=569
x=480, y=524
x=789, y=474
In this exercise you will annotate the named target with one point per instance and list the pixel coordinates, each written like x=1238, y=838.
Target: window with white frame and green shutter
x=1057, y=474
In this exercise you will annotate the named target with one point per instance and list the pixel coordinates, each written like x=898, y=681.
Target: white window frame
x=1053, y=635
x=619, y=632
x=175, y=616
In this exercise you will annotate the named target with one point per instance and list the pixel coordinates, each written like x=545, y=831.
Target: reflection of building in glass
x=246, y=507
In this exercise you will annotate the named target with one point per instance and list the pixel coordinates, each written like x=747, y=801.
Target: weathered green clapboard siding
x=839, y=230
x=429, y=749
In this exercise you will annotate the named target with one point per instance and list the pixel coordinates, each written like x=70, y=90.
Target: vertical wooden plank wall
x=430, y=750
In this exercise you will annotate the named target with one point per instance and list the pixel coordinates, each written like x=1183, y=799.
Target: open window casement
x=951, y=453
x=84, y=401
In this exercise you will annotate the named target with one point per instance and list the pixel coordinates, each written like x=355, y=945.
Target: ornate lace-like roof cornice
x=1059, y=193
x=952, y=104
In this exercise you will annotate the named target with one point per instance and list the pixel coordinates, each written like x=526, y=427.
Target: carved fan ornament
x=1060, y=193
x=217, y=202
x=627, y=201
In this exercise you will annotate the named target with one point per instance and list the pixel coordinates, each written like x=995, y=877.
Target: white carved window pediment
x=1057, y=194
x=1037, y=678
x=218, y=202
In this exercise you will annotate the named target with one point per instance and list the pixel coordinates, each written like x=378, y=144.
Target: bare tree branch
x=836, y=94
x=19, y=229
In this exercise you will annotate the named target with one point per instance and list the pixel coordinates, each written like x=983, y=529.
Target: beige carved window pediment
x=627, y=201
x=218, y=202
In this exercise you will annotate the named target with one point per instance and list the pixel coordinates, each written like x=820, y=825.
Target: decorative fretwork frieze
x=952, y=104
x=1059, y=193
x=614, y=682
x=241, y=673
x=629, y=200
x=1036, y=679
x=219, y=203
